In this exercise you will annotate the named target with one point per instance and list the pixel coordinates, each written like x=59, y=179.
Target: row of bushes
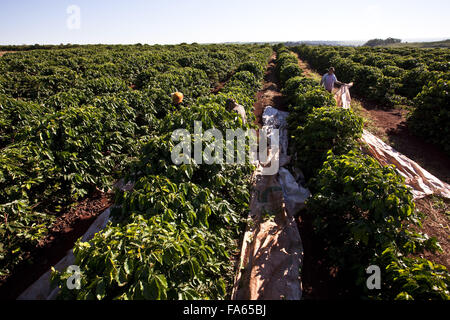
x=63, y=140
x=405, y=58
x=381, y=78
x=39, y=74
x=431, y=116
x=172, y=235
x=362, y=211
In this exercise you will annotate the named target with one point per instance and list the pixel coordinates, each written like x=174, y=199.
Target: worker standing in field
x=232, y=105
x=329, y=79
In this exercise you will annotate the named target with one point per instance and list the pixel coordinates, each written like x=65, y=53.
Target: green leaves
x=171, y=235
x=431, y=116
x=413, y=278
x=326, y=128
x=154, y=261
x=363, y=212
x=194, y=267
x=289, y=70
x=100, y=289
x=388, y=76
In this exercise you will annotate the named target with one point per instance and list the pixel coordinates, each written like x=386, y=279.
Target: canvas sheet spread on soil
x=41, y=289
x=272, y=252
x=421, y=182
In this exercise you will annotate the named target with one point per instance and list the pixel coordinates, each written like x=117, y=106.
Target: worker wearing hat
x=233, y=106
x=329, y=79
x=177, y=97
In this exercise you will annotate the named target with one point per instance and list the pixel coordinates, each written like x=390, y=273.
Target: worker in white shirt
x=232, y=105
x=329, y=79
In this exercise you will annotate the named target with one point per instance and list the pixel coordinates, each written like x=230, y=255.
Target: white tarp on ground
x=272, y=251
x=275, y=119
x=294, y=194
x=418, y=179
x=41, y=289
x=421, y=181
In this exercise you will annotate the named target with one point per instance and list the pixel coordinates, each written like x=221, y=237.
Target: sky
x=210, y=21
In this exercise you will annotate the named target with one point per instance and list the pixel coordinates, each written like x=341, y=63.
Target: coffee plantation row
x=362, y=211
x=395, y=76
x=172, y=236
x=76, y=119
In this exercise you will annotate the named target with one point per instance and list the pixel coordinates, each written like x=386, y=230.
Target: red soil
x=67, y=228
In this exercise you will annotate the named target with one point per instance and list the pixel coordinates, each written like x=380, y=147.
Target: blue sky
x=175, y=21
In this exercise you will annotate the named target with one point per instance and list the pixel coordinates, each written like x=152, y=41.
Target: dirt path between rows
x=319, y=281
x=390, y=126
x=2, y=53
x=271, y=250
x=270, y=94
